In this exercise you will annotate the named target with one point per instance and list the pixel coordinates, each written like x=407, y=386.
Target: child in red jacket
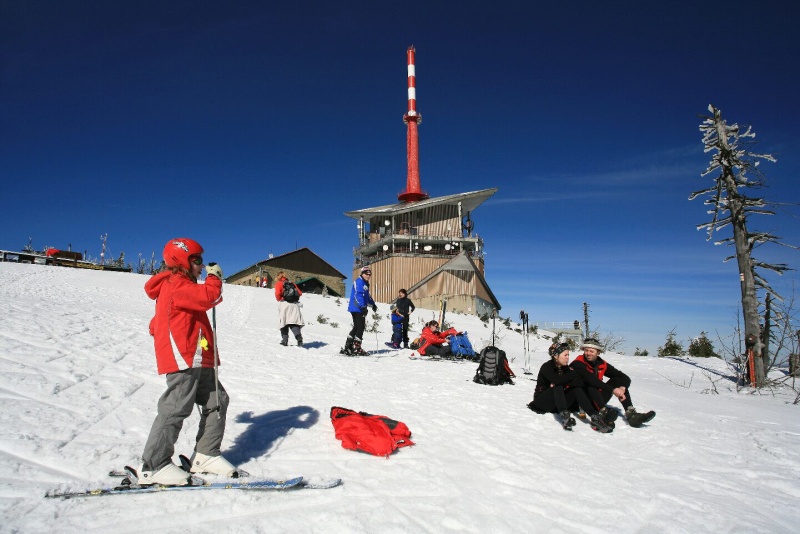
x=185, y=353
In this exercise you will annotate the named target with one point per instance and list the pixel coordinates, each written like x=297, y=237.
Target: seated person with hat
x=593, y=369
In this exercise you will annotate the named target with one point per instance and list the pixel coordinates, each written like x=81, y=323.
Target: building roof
x=461, y=262
x=469, y=201
x=331, y=290
x=291, y=260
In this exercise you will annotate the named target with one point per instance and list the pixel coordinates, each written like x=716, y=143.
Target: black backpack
x=493, y=369
x=290, y=293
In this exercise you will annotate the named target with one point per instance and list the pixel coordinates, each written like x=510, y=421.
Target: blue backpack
x=460, y=346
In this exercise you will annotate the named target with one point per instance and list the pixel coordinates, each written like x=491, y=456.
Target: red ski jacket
x=181, y=332
x=429, y=337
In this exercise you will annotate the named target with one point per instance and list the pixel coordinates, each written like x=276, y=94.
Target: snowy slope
x=78, y=393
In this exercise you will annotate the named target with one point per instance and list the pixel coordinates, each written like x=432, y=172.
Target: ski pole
x=216, y=359
x=494, y=314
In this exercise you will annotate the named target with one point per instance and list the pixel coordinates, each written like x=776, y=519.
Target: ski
x=352, y=355
x=129, y=485
x=429, y=359
x=391, y=345
x=126, y=487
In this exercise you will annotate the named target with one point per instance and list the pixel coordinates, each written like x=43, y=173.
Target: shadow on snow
x=267, y=429
x=730, y=377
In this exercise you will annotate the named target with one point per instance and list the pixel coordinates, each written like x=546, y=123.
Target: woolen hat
x=592, y=343
x=555, y=350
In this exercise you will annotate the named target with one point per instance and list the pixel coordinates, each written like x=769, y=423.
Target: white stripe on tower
x=412, y=83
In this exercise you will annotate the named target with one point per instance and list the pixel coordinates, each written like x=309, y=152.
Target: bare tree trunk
x=765, y=338
x=740, y=239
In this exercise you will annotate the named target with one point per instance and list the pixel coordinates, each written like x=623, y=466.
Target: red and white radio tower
x=413, y=190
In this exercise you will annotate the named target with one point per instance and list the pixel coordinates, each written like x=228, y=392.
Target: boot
x=567, y=422
x=405, y=344
x=348, y=347
x=608, y=416
x=216, y=465
x=599, y=425
x=636, y=419
x=169, y=475
x=299, y=340
x=357, y=350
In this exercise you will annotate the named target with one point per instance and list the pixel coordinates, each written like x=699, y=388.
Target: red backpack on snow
x=373, y=434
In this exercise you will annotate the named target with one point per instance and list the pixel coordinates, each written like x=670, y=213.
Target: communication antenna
x=103, y=238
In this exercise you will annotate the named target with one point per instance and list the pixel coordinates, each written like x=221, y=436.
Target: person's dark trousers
x=556, y=400
x=600, y=397
x=437, y=350
x=359, y=324
x=405, y=329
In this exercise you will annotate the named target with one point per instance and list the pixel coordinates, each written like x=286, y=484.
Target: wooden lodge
x=427, y=247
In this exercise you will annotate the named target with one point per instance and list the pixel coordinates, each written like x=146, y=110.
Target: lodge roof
x=469, y=201
x=291, y=260
x=462, y=262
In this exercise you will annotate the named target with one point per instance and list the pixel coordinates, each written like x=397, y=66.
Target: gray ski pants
x=185, y=389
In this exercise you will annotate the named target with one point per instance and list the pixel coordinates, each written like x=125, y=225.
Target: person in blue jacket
x=360, y=301
x=398, y=320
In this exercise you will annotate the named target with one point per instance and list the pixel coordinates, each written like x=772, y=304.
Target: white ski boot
x=216, y=465
x=169, y=475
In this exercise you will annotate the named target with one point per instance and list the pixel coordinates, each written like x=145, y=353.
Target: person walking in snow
x=432, y=342
x=360, y=301
x=289, y=315
x=186, y=354
x=558, y=389
x=593, y=369
x=405, y=307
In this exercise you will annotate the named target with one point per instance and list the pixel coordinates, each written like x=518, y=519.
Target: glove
x=214, y=269
x=364, y=310
x=375, y=307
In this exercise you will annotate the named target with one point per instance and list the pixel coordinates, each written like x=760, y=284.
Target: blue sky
x=252, y=127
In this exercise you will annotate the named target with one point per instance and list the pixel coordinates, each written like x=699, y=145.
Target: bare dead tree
x=735, y=168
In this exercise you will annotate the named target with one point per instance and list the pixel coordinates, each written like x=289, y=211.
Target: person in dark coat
x=405, y=307
x=559, y=387
x=593, y=369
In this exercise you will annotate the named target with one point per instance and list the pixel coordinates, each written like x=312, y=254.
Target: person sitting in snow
x=559, y=387
x=432, y=342
x=289, y=314
x=397, y=327
x=186, y=354
x=593, y=369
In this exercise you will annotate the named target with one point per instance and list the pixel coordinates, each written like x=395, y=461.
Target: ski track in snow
x=79, y=392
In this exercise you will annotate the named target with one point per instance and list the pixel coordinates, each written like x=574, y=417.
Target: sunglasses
x=197, y=260
x=367, y=273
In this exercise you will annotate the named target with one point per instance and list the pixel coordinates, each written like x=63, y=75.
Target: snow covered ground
x=78, y=393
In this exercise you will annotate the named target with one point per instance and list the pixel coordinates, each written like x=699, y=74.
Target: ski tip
x=320, y=483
